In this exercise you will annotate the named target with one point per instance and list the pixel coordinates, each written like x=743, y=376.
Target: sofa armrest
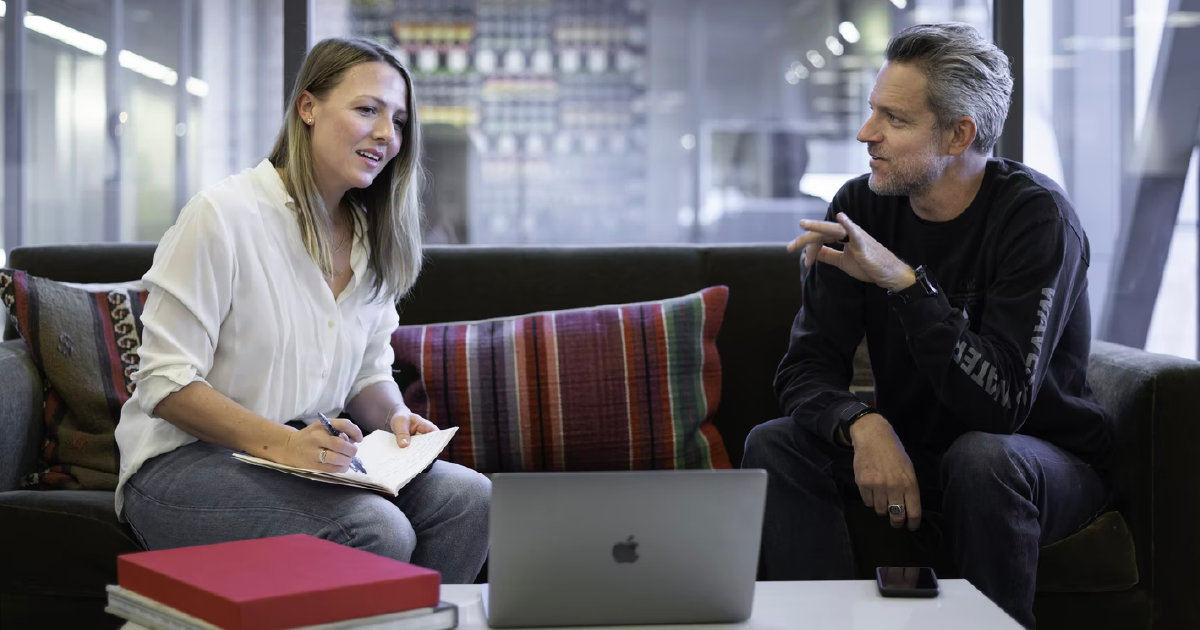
x=21, y=428
x=1152, y=399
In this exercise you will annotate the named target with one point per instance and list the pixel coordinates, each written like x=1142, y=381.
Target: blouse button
x=331, y=323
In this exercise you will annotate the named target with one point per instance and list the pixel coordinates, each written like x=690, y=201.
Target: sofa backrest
x=100, y=262
x=468, y=283
x=1151, y=398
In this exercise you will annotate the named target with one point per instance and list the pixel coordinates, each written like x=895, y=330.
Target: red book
x=279, y=582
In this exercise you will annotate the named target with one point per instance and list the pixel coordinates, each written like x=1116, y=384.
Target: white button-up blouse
x=235, y=301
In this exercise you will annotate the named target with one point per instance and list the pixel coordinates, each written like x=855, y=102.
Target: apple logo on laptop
x=625, y=551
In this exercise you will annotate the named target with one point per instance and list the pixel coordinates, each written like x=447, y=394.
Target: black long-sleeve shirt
x=1002, y=348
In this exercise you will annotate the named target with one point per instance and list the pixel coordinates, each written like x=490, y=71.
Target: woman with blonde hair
x=272, y=301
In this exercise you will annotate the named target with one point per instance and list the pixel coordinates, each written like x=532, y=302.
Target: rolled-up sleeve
x=378, y=357
x=190, y=286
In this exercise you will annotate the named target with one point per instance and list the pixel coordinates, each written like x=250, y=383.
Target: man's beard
x=905, y=176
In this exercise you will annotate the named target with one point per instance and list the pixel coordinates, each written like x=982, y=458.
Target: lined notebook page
x=393, y=466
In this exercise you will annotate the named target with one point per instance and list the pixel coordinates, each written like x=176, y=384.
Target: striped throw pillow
x=623, y=387
x=84, y=341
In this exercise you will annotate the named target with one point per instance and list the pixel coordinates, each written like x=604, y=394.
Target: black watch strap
x=850, y=414
x=922, y=288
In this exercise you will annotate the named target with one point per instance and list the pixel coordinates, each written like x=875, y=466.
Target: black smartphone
x=906, y=581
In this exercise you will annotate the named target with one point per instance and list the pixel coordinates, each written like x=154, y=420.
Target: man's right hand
x=883, y=471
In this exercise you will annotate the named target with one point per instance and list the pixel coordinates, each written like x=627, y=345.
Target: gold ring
x=321, y=457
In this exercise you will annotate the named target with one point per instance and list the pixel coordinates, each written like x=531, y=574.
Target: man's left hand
x=863, y=258
x=404, y=424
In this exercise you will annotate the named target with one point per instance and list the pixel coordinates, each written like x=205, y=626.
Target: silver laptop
x=612, y=548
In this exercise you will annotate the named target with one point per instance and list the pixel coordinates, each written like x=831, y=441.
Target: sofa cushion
x=21, y=434
x=68, y=542
x=630, y=386
x=84, y=340
x=1099, y=557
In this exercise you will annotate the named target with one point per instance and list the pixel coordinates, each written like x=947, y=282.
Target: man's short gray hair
x=968, y=76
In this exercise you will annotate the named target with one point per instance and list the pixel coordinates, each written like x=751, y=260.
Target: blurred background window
x=1112, y=113
x=573, y=122
x=116, y=143
x=637, y=121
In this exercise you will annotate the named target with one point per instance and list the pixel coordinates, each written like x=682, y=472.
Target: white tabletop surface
x=840, y=605
x=836, y=605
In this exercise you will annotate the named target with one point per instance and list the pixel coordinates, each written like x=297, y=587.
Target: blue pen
x=355, y=464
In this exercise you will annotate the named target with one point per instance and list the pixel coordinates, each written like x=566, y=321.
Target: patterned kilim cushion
x=625, y=387
x=84, y=340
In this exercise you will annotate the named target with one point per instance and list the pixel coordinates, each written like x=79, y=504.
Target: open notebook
x=389, y=467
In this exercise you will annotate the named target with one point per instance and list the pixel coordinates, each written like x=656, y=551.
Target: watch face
x=926, y=287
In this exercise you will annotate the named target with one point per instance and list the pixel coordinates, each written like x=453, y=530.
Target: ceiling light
x=849, y=32
x=96, y=46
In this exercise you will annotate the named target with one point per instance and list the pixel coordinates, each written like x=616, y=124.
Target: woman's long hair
x=390, y=206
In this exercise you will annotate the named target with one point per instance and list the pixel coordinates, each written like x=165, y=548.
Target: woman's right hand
x=303, y=449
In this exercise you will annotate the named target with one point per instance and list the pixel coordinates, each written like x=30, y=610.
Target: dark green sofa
x=1137, y=567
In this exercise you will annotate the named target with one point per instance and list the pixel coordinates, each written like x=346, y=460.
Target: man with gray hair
x=968, y=276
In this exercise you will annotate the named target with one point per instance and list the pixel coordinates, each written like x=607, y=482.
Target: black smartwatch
x=850, y=415
x=922, y=288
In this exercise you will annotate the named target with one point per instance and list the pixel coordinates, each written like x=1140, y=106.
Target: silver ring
x=321, y=457
x=895, y=510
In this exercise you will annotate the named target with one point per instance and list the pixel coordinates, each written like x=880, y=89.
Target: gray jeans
x=199, y=494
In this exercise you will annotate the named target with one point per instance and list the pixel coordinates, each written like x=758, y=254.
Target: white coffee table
x=835, y=605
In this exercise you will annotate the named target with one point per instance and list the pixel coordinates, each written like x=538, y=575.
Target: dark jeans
x=1003, y=497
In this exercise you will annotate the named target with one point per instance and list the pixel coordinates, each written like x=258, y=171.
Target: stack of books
x=274, y=583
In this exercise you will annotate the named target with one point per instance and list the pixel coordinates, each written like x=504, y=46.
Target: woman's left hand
x=404, y=423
